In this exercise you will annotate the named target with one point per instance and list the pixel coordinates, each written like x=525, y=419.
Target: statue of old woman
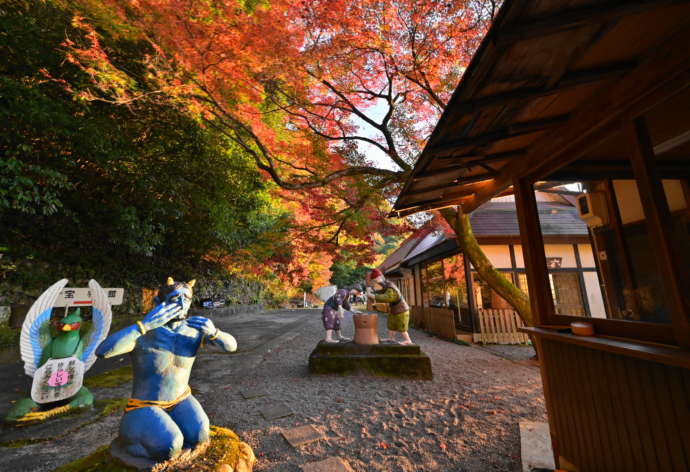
x=334, y=312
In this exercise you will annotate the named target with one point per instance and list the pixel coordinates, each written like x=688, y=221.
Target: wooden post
x=471, y=302
x=581, y=280
x=659, y=226
x=533, y=252
x=623, y=255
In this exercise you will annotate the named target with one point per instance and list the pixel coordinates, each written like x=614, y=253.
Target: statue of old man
x=163, y=418
x=386, y=291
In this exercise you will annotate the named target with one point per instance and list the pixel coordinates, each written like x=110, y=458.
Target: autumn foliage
x=332, y=99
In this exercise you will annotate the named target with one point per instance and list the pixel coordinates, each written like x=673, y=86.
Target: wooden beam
x=561, y=192
x=434, y=188
x=662, y=73
x=474, y=158
x=627, y=299
x=446, y=171
x=433, y=204
x=440, y=198
x=660, y=76
x=569, y=81
x=672, y=143
x=481, y=162
x=455, y=183
x=543, y=186
x=596, y=170
x=436, y=202
x=533, y=252
x=487, y=167
x=659, y=227
x=527, y=28
x=510, y=131
x=437, y=172
x=463, y=180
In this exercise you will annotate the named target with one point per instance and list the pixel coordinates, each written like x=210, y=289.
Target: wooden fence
x=500, y=327
x=438, y=321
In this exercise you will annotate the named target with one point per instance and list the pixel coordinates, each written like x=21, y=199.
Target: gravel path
x=466, y=419
x=515, y=352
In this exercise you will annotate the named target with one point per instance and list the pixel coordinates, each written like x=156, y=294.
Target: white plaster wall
x=564, y=251
x=630, y=206
x=498, y=254
x=519, y=259
x=561, y=250
x=628, y=199
x=586, y=255
x=594, y=296
x=674, y=194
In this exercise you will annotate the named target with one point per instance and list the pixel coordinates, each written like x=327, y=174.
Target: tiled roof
x=500, y=219
x=432, y=239
x=400, y=254
x=494, y=218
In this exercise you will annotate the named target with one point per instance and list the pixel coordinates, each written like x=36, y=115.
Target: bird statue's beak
x=67, y=328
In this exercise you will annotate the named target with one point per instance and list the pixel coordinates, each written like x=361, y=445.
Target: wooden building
x=431, y=271
x=591, y=97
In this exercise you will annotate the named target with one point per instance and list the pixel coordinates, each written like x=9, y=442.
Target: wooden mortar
x=366, y=328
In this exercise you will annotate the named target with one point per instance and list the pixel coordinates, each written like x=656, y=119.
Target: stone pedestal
x=384, y=360
x=366, y=328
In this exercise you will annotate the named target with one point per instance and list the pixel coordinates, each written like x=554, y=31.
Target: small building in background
x=432, y=272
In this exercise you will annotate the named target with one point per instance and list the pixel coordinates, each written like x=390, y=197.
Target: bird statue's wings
x=31, y=343
x=101, y=317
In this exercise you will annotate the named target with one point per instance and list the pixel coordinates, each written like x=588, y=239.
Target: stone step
x=350, y=348
x=412, y=366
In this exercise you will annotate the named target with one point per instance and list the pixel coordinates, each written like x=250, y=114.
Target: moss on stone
x=225, y=448
x=99, y=461
x=110, y=406
x=112, y=378
x=106, y=407
x=24, y=442
x=381, y=360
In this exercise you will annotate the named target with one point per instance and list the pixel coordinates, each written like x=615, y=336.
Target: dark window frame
x=656, y=213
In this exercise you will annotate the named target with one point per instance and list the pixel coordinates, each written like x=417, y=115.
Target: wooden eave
x=551, y=80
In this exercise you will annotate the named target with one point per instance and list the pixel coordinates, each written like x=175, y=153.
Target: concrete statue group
x=379, y=290
x=162, y=418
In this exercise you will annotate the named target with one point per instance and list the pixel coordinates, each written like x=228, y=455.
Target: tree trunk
x=469, y=245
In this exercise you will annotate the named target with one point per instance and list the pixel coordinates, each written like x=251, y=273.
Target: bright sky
x=374, y=154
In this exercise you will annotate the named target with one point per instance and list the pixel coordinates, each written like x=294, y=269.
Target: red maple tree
x=306, y=88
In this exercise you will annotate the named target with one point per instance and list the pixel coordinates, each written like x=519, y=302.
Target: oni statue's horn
x=191, y=283
x=169, y=281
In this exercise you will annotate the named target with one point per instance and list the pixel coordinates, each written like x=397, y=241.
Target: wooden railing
x=438, y=321
x=500, y=327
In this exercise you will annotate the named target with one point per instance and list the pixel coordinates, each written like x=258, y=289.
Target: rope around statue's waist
x=135, y=403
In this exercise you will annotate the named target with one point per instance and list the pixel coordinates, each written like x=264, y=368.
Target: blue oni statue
x=163, y=418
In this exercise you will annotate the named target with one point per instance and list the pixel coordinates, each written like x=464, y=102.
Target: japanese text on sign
x=82, y=296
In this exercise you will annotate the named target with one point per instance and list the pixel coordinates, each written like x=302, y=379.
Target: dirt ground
x=466, y=419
